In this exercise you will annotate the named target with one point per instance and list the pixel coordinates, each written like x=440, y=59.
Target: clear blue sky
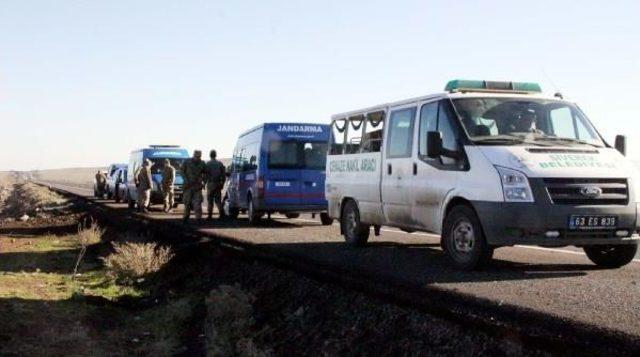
x=84, y=82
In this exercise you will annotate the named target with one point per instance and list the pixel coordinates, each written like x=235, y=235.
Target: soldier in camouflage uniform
x=168, y=180
x=194, y=172
x=215, y=182
x=144, y=183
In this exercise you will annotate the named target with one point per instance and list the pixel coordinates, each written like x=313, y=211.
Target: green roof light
x=464, y=85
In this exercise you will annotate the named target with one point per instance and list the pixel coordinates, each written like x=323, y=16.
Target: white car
x=484, y=164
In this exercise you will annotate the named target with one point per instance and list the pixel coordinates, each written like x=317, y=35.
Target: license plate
x=592, y=222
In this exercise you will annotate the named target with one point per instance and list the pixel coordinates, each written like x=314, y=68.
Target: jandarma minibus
x=279, y=167
x=485, y=164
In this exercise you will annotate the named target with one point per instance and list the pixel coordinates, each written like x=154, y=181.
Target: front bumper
x=507, y=223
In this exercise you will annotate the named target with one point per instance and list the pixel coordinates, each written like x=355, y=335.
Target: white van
x=485, y=164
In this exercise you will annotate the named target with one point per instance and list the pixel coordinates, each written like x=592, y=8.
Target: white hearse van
x=485, y=164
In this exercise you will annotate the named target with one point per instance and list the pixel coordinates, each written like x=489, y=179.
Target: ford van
x=279, y=167
x=484, y=165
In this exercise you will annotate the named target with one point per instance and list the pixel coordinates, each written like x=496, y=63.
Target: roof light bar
x=464, y=85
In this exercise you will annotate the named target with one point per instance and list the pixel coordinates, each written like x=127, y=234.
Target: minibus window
x=428, y=122
x=449, y=141
x=400, y=132
x=354, y=134
x=374, y=127
x=338, y=131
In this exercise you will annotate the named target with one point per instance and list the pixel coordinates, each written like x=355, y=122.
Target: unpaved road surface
x=560, y=283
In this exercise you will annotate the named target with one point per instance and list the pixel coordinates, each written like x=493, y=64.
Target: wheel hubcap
x=463, y=237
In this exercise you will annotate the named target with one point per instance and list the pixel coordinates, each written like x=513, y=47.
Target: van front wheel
x=611, y=256
x=463, y=239
x=355, y=232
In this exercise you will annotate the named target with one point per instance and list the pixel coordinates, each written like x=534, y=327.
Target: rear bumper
x=528, y=223
x=290, y=208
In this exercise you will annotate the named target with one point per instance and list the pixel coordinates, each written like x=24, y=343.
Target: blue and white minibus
x=279, y=167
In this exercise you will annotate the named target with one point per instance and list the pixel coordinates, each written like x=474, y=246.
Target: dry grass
x=27, y=198
x=86, y=237
x=131, y=262
x=229, y=323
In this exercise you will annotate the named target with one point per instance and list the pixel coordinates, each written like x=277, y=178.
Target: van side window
x=445, y=126
x=373, y=129
x=338, y=128
x=428, y=122
x=400, y=136
x=354, y=134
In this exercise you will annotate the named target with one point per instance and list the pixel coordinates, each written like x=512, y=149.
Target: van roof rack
x=163, y=146
x=465, y=85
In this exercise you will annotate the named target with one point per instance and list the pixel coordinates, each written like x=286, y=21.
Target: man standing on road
x=144, y=183
x=101, y=181
x=194, y=172
x=215, y=182
x=168, y=179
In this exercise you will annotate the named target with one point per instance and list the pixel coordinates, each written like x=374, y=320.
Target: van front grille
x=587, y=191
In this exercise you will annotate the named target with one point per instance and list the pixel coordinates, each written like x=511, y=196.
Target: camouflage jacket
x=215, y=175
x=194, y=174
x=168, y=177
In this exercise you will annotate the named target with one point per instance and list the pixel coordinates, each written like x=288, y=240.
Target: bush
x=229, y=323
x=87, y=236
x=133, y=261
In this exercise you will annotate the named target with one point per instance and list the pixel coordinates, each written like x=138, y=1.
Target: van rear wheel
x=463, y=239
x=355, y=232
x=611, y=256
x=130, y=203
x=292, y=215
x=326, y=219
x=254, y=216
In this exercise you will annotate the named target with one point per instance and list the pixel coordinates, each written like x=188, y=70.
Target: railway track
x=530, y=327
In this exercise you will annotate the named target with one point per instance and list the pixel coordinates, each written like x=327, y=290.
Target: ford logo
x=591, y=191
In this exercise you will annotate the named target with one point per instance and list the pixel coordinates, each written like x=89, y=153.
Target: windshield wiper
x=507, y=140
x=566, y=140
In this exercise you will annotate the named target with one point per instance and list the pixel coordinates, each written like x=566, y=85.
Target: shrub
x=131, y=262
x=87, y=236
x=229, y=323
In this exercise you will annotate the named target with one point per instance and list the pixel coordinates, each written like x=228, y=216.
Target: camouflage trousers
x=144, y=196
x=169, y=199
x=214, y=195
x=192, y=200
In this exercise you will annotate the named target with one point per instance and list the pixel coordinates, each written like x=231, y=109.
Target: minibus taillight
x=260, y=185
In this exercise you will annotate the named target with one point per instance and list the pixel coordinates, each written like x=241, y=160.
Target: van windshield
x=297, y=155
x=157, y=164
x=499, y=121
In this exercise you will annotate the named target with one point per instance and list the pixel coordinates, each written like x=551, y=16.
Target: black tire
x=292, y=215
x=463, y=239
x=130, y=203
x=109, y=195
x=254, y=216
x=611, y=256
x=95, y=193
x=326, y=219
x=355, y=232
x=117, y=197
x=229, y=211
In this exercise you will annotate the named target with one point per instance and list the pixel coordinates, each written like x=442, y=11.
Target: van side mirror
x=621, y=144
x=434, y=144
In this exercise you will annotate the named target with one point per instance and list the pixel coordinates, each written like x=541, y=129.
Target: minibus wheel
x=292, y=215
x=326, y=219
x=611, y=256
x=463, y=239
x=355, y=232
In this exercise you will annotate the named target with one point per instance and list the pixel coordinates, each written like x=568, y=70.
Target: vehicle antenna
x=558, y=93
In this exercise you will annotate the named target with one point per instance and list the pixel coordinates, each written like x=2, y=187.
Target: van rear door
x=283, y=176
x=312, y=173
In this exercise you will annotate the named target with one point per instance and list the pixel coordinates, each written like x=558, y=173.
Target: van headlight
x=515, y=185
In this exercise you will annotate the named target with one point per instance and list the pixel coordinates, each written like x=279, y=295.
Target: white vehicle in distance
x=485, y=165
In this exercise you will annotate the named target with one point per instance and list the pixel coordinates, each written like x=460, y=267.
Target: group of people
x=196, y=174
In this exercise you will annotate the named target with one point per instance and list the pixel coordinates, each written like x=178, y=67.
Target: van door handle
x=389, y=169
x=415, y=169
